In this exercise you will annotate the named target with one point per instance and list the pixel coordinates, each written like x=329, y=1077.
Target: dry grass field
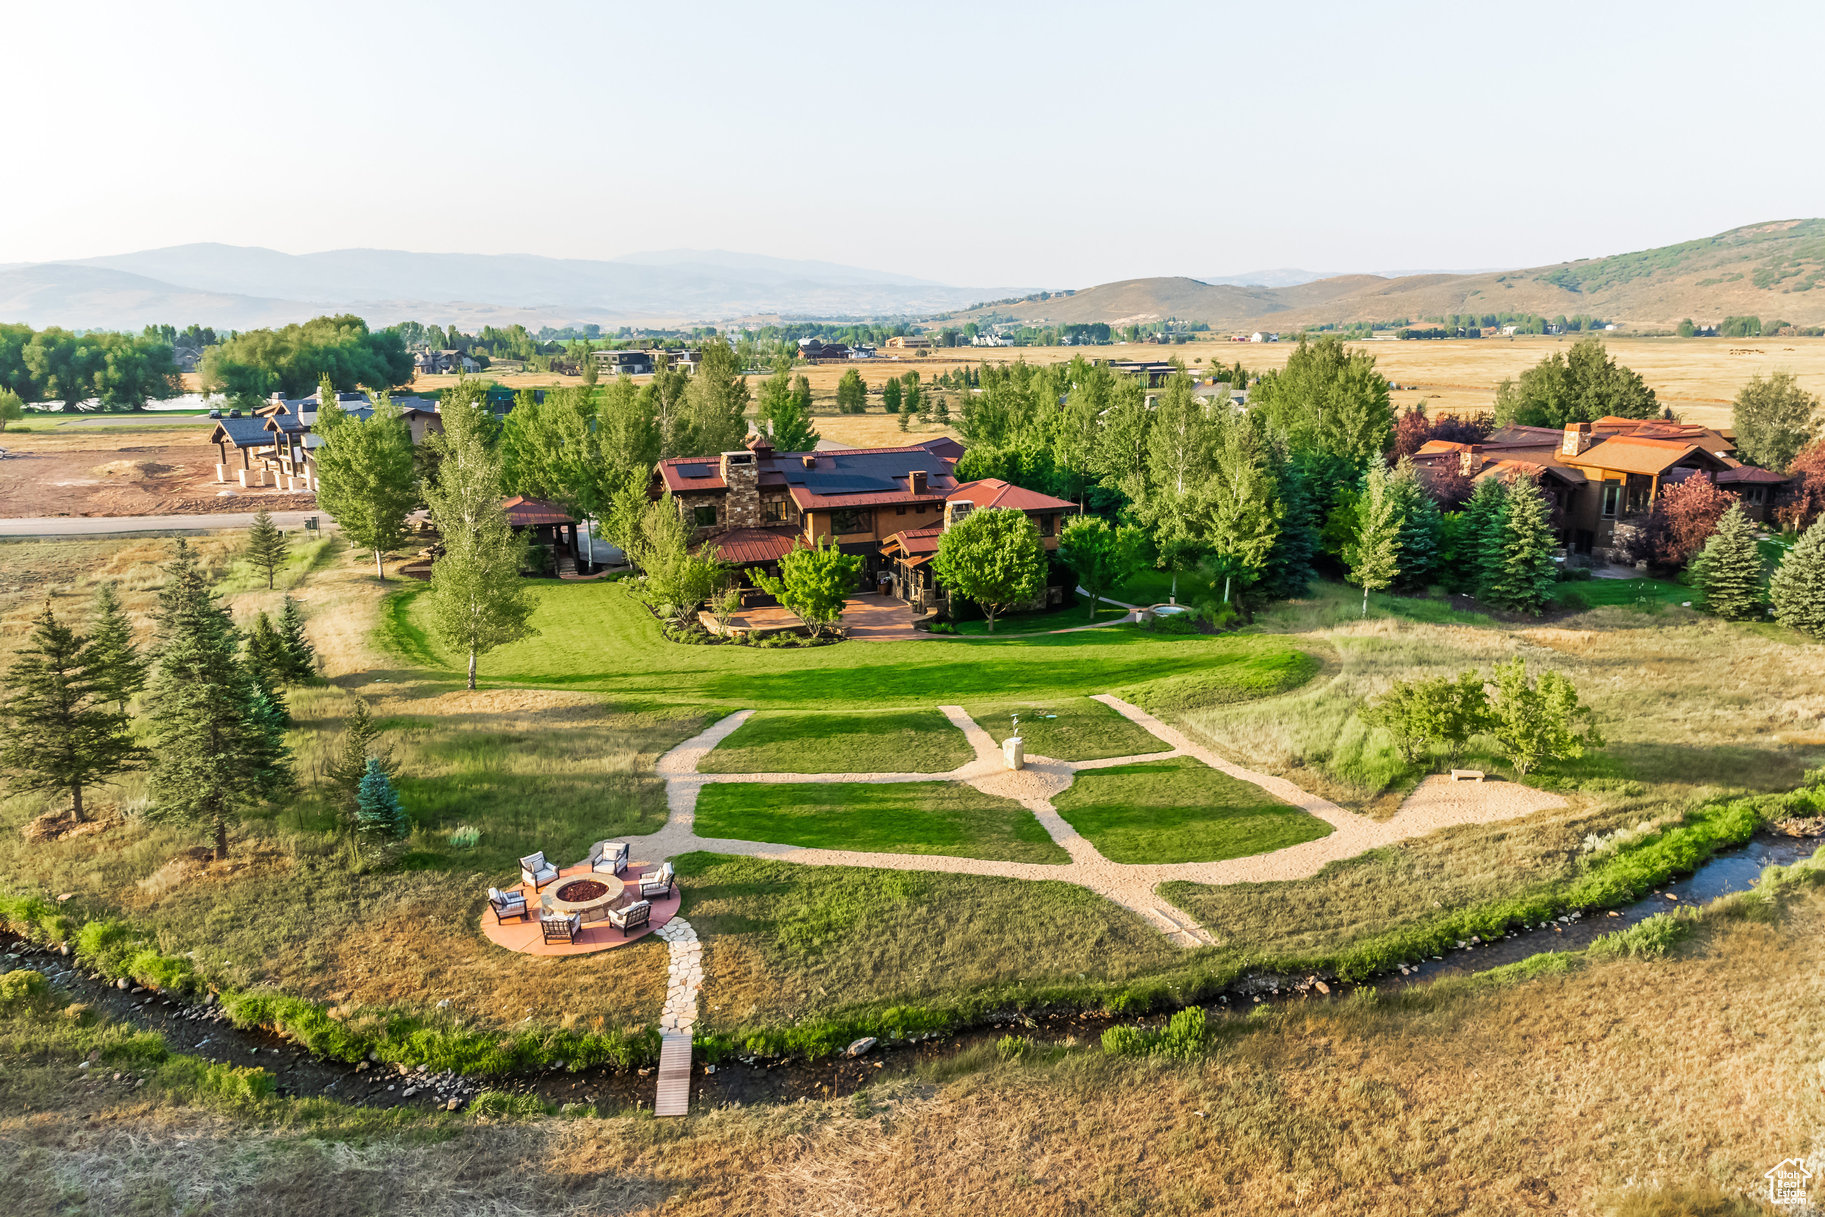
x=1618, y=1088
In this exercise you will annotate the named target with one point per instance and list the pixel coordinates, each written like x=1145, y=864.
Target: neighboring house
x=277, y=444
x=815, y=350
x=550, y=528
x=755, y=505
x=1261, y=336
x=1604, y=476
x=625, y=363
x=908, y=342
x=1156, y=372
x=186, y=358
x=442, y=363
x=861, y=351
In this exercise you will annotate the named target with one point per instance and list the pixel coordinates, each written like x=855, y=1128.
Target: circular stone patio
x=524, y=936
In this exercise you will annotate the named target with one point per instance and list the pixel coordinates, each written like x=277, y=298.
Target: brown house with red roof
x=1604, y=476
x=888, y=505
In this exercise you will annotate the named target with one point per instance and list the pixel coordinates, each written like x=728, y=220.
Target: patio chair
x=506, y=904
x=657, y=883
x=632, y=917
x=536, y=871
x=561, y=929
x=608, y=857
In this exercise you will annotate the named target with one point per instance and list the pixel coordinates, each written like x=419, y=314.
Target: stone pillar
x=243, y=473
x=221, y=473
x=1014, y=752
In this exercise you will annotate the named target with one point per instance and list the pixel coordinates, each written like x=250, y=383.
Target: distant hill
x=238, y=286
x=1767, y=270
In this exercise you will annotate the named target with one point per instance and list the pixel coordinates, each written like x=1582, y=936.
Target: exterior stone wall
x=741, y=505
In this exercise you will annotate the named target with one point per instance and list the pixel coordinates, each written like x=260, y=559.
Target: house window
x=774, y=510
x=704, y=517
x=899, y=511
x=1045, y=526
x=844, y=522
x=1612, y=495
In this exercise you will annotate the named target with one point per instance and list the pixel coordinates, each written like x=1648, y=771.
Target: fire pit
x=592, y=896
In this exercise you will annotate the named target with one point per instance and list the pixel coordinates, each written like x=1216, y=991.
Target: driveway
x=105, y=526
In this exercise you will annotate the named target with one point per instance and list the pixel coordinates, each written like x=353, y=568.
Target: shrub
x=1126, y=1041
x=1014, y=1047
x=1185, y=1037
x=1651, y=937
x=18, y=985
x=465, y=836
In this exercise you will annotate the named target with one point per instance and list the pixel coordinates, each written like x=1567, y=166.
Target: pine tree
x=1241, y=513
x=360, y=743
x=1523, y=581
x=266, y=545
x=1375, y=561
x=1288, y=574
x=1419, y=526
x=378, y=816
x=478, y=600
x=300, y=655
x=1728, y=572
x=266, y=657
x=1485, y=517
x=62, y=732
x=120, y=670
x=217, y=747
x=1797, y=588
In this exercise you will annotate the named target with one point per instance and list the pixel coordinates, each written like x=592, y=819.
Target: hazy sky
x=1047, y=144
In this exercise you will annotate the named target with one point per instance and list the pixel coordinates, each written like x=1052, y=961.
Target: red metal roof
x=993, y=492
x=1749, y=475
x=523, y=512
x=741, y=545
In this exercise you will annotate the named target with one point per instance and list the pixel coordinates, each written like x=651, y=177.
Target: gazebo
x=551, y=526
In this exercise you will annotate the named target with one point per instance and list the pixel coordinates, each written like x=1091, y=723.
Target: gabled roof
x=523, y=512
x=1749, y=475
x=916, y=544
x=993, y=492
x=834, y=478
x=1633, y=454
x=242, y=432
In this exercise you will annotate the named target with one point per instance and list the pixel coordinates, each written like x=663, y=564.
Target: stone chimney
x=956, y=509
x=916, y=481
x=809, y=460
x=1577, y=439
x=1468, y=462
x=741, y=505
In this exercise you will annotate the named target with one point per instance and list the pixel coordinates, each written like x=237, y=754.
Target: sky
x=978, y=144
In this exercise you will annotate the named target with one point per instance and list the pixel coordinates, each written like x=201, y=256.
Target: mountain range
x=236, y=287
x=1768, y=270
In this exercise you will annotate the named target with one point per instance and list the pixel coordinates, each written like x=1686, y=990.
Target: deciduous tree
x=365, y=476
x=1539, y=720
x=1327, y=399
x=851, y=393
x=1240, y=507
x=1685, y=514
x=813, y=583
x=1581, y=386
x=1181, y=444
x=1775, y=418
x=1375, y=558
x=716, y=403
x=992, y=557
x=1099, y=556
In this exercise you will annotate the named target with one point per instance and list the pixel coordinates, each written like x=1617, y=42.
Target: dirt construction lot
x=56, y=469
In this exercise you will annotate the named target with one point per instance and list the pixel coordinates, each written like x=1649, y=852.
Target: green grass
x=594, y=636
x=1076, y=613
x=1650, y=594
x=1180, y=810
x=904, y=818
x=1147, y=587
x=1084, y=730
x=798, y=942
x=305, y=555
x=849, y=741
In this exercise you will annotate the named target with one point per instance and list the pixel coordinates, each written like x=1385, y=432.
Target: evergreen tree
x=1485, y=526
x=378, y=816
x=120, y=670
x=266, y=545
x=359, y=744
x=217, y=749
x=890, y=394
x=300, y=656
x=1728, y=571
x=715, y=405
x=478, y=600
x=1523, y=581
x=1419, y=526
x=1288, y=573
x=852, y=393
x=1797, y=588
x=61, y=730
x=266, y=656
x=366, y=476
x=1181, y=444
x=1375, y=557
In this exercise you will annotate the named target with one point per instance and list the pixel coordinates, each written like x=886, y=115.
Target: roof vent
x=810, y=460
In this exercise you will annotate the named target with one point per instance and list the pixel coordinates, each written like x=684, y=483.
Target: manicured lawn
x=1077, y=612
x=1083, y=730
x=1650, y=594
x=1180, y=811
x=594, y=636
x=903, y=817
x=787, y=942
x=1147, y=587
x=846, y=741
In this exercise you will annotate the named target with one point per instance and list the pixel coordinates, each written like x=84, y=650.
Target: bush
x=465, y=836
x=1649, y=938
x=1185, y=1037
x=18, y=985
x=1014, y=1047
x=1179, y=623
x=1126, y=1041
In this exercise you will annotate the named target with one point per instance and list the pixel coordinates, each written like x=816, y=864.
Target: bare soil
x=121, y=471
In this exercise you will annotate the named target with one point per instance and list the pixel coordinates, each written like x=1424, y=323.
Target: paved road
x=96, y=526
x=116, y=420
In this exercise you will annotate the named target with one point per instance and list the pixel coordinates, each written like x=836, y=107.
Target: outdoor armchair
x=632, y=917
x=506, y=904
x=608, y=857
x=657, y=883
x=561, y=929
x=536, y=871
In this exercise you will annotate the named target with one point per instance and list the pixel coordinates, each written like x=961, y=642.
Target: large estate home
x=1604, y=476
x=888, y=505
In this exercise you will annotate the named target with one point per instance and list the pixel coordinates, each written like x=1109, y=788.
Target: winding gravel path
x=1432, y=806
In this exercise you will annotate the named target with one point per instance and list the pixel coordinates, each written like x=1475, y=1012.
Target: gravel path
x=1437, y=803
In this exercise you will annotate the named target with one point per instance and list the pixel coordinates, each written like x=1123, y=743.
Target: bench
x=1466, y=775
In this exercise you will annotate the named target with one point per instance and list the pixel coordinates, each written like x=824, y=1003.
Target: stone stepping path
x=684, y=977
